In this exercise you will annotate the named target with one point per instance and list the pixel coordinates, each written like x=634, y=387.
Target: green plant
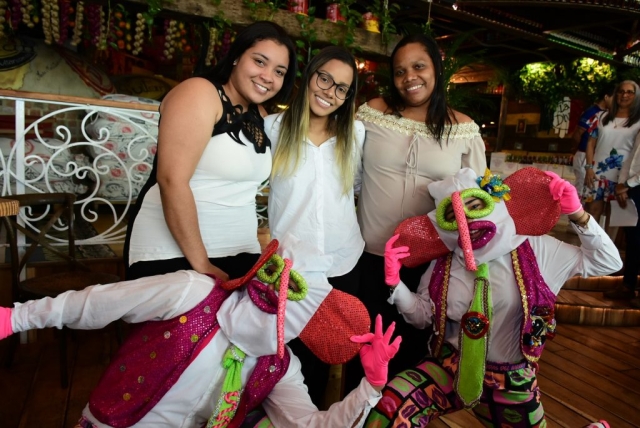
x=257, y=10
x=348, y=27
x=547, y=83
x=385, y=13
x=308, y=37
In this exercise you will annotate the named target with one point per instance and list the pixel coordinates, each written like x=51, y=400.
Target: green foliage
x=348, y=27
x=385, y=13
x=308, y=37
x=547, y=83
x=262, y=10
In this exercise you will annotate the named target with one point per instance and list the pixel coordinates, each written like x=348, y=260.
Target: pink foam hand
x=377, y=352
x=564, y=192
x=5, y=323
x=392, y=264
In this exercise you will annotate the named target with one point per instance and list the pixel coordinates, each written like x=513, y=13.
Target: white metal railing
x=95, y=160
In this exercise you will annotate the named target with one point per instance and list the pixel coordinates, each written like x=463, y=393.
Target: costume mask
x=528, y=209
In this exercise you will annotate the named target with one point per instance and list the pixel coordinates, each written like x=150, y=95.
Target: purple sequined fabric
x=266, y=374
x=438, y=294
x=150, y=362
x=539, y=299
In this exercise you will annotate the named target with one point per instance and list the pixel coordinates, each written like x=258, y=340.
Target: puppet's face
x=472, y=219
x=475, y=209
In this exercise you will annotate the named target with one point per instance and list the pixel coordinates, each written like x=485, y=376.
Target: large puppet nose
x=463, y=230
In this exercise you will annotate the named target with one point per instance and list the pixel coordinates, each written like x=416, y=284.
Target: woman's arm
x=590, y=154
x=189, y=113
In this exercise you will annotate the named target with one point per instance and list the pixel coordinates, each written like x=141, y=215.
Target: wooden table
x=8, y=207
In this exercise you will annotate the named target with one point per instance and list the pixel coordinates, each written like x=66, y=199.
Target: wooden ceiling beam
x=582, y=26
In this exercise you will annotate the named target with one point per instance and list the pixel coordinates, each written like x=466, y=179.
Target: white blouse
x=401, y=158
x=309, y=212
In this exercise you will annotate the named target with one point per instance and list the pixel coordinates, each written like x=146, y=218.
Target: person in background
x=197, y=209
x=413, y=137
x=317, y=146
x=489, y=296
x=581, y=135
x=629, y=189
x=609, y=144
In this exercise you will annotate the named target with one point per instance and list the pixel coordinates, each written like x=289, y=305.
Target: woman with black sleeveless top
x=197, y=210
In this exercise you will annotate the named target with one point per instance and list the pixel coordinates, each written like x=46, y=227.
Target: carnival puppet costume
x=489, y=295
x=206, y=352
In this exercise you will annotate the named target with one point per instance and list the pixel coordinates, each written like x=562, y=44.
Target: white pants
x=579, y=161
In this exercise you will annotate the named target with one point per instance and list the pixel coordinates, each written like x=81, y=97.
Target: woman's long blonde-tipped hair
x=294, y=128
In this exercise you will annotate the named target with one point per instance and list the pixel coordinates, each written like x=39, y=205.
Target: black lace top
x=234, y=121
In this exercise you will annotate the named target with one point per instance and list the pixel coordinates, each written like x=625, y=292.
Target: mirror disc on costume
x=475, y=324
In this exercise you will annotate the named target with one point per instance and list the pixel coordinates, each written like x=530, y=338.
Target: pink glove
x=5, y=323
x=392, y=262
x=565, y=192
x=377, y=352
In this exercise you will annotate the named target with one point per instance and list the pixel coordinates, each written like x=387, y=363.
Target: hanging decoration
x=138, y=36
x=47, y=10
x=213, y=40
x=169, y=38
x=3, y=13
x=77, y=27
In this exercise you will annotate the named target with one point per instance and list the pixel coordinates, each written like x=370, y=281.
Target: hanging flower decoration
x=138, y=35
x=64, y=21
x=3, y=13
x=121, y=30
x=93, y=19
x=102, y=40
x=77, y=27
x=213, y=40
x=27, y=10
x=169, y=38
x=47, y=8
x=15, y=14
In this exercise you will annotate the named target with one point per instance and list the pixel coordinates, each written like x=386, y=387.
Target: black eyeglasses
x=324, y=81
x=626, y=92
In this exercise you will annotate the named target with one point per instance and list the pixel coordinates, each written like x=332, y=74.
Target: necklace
x=615, y=121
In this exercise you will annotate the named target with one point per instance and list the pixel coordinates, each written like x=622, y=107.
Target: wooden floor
x=586, y=374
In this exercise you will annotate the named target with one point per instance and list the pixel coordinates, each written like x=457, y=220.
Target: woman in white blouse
x=317, y=147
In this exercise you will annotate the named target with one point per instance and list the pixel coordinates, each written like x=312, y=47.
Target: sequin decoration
x=328, y=333
x=126, y=396
x=463, y=230
x=167, y=334
x=474, y=324
x=183, y=319
x=531, y=206
x=421, y=236
x=282, y=303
